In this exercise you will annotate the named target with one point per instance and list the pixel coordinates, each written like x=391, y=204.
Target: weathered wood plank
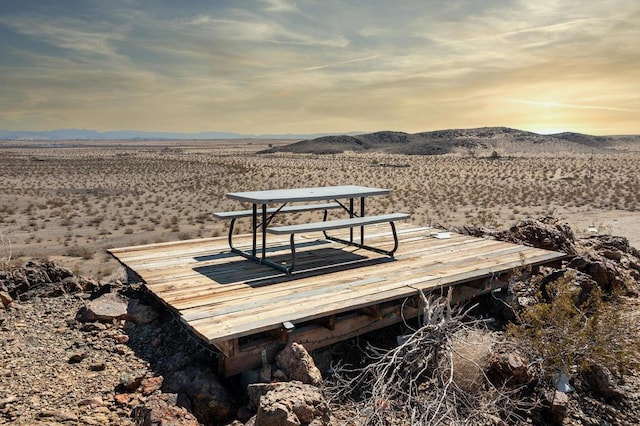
x=222, y=297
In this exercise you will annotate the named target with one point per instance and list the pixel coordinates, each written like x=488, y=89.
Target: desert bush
x=571, y=332
x=5, y=253
x=78, y=251
x=436, y=375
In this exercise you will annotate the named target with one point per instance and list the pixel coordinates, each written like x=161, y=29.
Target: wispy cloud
x=571, y=106
x=339, y=63
x=297, y=66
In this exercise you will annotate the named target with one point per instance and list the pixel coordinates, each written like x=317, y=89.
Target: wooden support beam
x=228, y=347
x=327, y=322
x=372, y=311
x=315, y=337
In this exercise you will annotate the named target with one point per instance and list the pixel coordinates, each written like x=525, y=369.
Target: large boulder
x=112, y=306
x=208, y=399
x=43, y=279
x=290, y=403
x=510, y=367
x=601, y=380
x=160, y=410
x=297, y=364
x=544, y=232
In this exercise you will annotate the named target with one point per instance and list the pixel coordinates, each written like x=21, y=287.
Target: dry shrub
x=435, y=376
x=472, y=350
x=78, y=251
x=571, y=332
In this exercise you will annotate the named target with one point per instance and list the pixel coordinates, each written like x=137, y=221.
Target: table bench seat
x=337, y=224
x=328, y=225
x=286, y=209
x=272, y=211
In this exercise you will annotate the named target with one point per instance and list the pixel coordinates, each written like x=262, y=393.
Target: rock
x=122, y=398
x=581, y=284
x=544, y=232
x=120, y=338
x=139, y=313
x=99, y=366
x=244, y=413
x=210, y=401
x=510, y=368
x=296, y=362
x=111, y=306
x=132, y=381
x=62, y=416
x=44, y=279
x=94, y=402
x=559, y=406
x=279, y=376
x=602, y=381
x=5, y=298
x=8, y=400
x=150, y=385
x=77, y=357
x=107, y=307
x=291, y=403
x=158, y=411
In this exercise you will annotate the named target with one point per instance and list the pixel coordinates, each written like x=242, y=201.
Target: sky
x=287, y=66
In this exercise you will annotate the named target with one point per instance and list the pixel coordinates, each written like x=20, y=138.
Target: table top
x=306, y=194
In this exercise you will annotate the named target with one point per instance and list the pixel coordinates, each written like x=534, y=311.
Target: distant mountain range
x=502, y=139
x=81, y=134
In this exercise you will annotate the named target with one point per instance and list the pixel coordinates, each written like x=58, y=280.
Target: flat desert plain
x=71, y=201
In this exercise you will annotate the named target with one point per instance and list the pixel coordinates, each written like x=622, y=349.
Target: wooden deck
x=337, y=292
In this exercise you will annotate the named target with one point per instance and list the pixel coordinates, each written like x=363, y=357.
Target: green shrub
x=569, y=336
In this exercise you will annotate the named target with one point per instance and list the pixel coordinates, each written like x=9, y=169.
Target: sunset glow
x=286, y=66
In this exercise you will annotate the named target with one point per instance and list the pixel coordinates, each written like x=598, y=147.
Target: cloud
x=571, y=106
x=316, y=66
x=279, y=6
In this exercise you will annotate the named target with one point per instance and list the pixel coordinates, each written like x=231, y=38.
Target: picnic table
x=284, y=199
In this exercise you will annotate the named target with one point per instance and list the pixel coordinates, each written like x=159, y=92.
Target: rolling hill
x=501, y=139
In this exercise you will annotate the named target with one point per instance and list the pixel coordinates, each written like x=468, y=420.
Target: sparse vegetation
x=90, y=196
x=574, y=329
x=435, y=376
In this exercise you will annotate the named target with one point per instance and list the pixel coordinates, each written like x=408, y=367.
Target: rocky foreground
x=77, y=352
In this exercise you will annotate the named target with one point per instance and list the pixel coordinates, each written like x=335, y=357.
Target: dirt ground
x=71, y=201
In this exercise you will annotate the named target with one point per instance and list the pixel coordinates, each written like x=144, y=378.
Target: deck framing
x=337, y=292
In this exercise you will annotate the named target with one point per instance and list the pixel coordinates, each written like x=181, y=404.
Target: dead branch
x=423, y=380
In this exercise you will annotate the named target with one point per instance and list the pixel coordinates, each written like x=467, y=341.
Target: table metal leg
x=362, y=215
x=254, y=226
x=264, y=230
x=351, y=215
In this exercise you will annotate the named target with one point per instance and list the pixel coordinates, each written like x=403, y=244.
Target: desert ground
x=70, y=201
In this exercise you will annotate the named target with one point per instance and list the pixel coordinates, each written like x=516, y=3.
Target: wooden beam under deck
x=337, y=291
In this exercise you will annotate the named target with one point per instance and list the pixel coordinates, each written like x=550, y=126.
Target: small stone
x=122, y=398
x=151, y=385
x=63, y=416
x=559, y=406
x=280, y=376
x=8, y=400
x=94, y=402
x=97, y=367
x=131, y=381
x=77, y=357
x=5, y=298
x=602, y=381
x=120, y=338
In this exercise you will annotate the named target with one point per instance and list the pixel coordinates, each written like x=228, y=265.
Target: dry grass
x=77, y=199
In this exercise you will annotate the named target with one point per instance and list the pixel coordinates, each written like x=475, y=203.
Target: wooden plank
x=262, y=319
